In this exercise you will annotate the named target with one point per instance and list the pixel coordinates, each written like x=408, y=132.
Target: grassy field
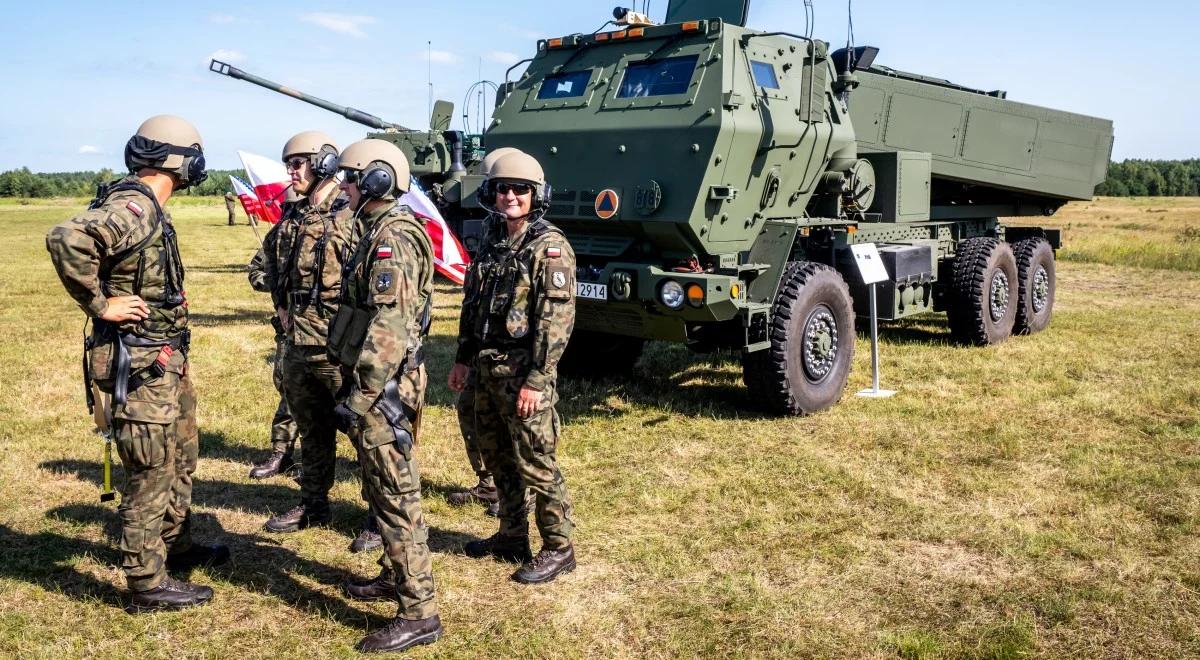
x=1036, y=498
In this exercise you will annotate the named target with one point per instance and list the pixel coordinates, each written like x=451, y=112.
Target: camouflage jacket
x=121, y=247
x=303, y=266
x=389, y=281
x=520, y=294
x=256, y=272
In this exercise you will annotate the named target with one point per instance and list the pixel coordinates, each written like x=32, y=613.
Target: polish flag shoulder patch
x=553, y=252
x=137, y=210
x=383, y=252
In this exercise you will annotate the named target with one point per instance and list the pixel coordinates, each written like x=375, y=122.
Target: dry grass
x=1040, y=497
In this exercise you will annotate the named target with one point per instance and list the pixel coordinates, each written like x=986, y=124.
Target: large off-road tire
x=592, y=354
x=982, y=296
x=1035, y=285
x=812, y=343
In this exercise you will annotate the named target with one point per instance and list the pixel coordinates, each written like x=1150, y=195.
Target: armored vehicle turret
x=712, y=179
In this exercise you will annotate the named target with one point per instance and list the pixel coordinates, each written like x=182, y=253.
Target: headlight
x=671, y=294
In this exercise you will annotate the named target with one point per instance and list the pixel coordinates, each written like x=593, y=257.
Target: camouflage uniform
x=283, y=426
x=125, y=245
x=386, y=296
x=517, y=315
x=307, y=249
x=229, y=206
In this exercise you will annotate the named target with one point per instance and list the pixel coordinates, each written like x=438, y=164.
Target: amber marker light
x=636, y=32
x=735, y=291
x=603, y=36
x=691, y=26
x=695, y=294
x=556, y=43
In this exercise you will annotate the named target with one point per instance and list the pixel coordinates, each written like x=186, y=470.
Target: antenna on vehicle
x=429, y=74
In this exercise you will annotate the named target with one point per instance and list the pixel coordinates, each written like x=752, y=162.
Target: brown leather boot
x=170, y=594
x=300, y=517
x=513, y=549
x=277, y=463
x=402, y=634
x=381, y=587
x=483, y=492
x=547, y=565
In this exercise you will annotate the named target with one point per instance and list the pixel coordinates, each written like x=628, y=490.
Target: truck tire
x=594, y=355
x=982, y=300
x=1035, y=279
x=812, y=343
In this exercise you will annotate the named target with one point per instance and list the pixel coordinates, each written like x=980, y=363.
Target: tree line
x=23, y=183
x=1128, y=178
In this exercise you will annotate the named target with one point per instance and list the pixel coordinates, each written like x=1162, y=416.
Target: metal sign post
x=871, y=267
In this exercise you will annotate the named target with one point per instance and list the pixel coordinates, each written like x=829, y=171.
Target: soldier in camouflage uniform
x=283, y=426
x=120, y=261
x=386, y=300
x=230, y=200
x=303, y=272
x=517, y=315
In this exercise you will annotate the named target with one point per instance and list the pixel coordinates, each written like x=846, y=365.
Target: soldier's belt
x=300, y=298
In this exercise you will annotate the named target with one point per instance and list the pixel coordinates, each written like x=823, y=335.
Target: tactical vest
x=305, y=291
x=151, y=269
x=504, y=313
x=348, y=330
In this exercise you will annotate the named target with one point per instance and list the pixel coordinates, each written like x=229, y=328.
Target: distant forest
x=1129, y=178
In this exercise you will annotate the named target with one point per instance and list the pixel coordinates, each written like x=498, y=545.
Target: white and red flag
x=449, y=257
x=249, y=200
x=270, y=181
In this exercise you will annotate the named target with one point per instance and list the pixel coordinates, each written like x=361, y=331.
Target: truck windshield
x=564, y=85
x=658, y=77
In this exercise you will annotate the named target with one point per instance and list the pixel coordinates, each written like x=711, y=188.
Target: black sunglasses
x=504, y=188
x=350, y=176
x=295, y=163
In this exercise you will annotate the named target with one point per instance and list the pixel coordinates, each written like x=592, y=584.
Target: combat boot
x=381, y=587
x=368, y=538
x=171, y=594
x=278, y=462
x=547, y=565
x=300, y=517
x=401, y=634
x=483, y=492
x=513, y=549
x=198, y=556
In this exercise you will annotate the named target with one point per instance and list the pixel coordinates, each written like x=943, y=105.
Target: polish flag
x=449, y=257
x=249, y=200
x=270, y=181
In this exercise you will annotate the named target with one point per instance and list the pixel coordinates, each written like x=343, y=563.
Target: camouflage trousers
x=283, y=426
x=521, y=452
x=159, y=444
x=465, y=405
x=392, y=486
x=310, y=383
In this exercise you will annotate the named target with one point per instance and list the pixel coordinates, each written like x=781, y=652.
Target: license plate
x=591, y=291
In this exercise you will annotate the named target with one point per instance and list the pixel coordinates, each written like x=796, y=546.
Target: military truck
x=442, y=160
x=712, y=179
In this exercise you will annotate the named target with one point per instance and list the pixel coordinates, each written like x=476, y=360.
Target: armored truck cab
x=712, y=179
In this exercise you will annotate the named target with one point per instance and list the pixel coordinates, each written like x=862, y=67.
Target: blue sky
x=81, y=76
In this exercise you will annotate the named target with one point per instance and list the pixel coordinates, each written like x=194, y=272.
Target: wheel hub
x=820, y=343
x=998, y=300
x=1041, y=289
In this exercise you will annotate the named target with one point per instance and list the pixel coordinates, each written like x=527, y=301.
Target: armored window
x=764, y=74
x=658, y=77
x=564, y=85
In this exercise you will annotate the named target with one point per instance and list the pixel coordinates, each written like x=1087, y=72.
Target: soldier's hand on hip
x=527, y=402
x=125, y=308
x=457, y=381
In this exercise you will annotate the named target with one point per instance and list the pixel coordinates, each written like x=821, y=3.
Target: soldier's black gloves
x=344, y=418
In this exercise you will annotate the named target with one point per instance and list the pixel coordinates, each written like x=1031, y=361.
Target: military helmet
x=321, y=150
x=378, y=167
x=170, y=144
x=490, y=159
x=520, y=166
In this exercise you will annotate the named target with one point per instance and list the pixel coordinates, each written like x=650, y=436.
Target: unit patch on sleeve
x=383, y=281
x=383, y=252
x=553, y=252
x=133, y=206
x=558, y=279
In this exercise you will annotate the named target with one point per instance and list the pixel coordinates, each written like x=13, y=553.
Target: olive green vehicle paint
x=711, y=178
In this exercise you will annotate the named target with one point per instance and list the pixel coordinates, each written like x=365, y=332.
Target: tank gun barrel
x=367, y=119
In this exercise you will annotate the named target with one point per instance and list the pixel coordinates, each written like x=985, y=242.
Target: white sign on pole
x=870, y=265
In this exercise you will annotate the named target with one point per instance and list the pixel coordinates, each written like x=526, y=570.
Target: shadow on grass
x=258, y=316
x=222, y=268
x=215, y=444
x=258, y=564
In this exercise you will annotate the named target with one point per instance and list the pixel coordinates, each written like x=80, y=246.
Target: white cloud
x=89, y=149
x=502, y=57
x=348, y=24
x=440, y=56
x=226, y=55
